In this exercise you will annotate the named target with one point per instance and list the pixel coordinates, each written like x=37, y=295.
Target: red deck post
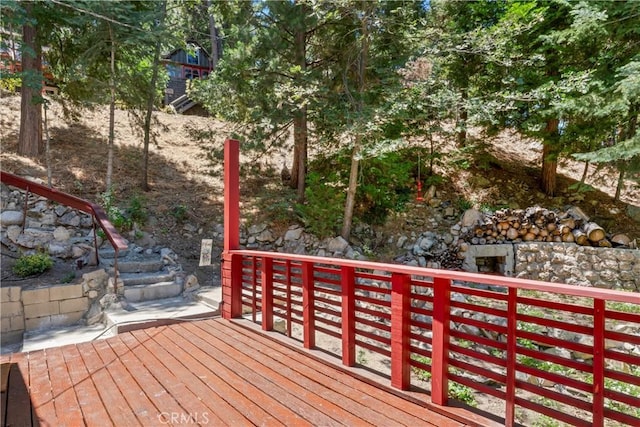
x=598, y=362
x=267, y=293
x=231, y=264
x=348, y=316
x=400, y=329
x=440, y=341
x=512, y=331
x=308, y=305
x=231, y=195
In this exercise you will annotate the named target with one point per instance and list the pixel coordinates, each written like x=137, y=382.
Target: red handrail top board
x=117, y=241
x=511, y=282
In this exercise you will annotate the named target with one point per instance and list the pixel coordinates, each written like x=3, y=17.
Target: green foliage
x=124, y=219
x=10, y=84
x=69, y=277
x=462, y=393
x=180, y=212
x=28, y=265
x=463, y=204
x=385, y=185
x=136, y=211
x=422, y=374
x=322, y=212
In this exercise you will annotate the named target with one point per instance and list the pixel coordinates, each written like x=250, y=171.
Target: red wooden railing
x=99, y=216
x=498, y=344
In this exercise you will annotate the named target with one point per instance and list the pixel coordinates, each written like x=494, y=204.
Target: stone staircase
x=146, y=274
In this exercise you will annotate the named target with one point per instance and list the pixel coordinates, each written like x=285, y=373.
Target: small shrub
x=464, y=204
x=462, y=393
x=28, y=265
x=323, y=210
x=10, y=84
x=69, y=277
x=136, y=211
x=179, y=212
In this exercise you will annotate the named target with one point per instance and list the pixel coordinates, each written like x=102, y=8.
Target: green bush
x=385, y=184
x=28, y=265
x=323, y=210
x=10, y=84
x=123, y=220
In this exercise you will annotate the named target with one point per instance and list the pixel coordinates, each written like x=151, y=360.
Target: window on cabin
x=190, y=73
x=173, y=71
x=192, y=58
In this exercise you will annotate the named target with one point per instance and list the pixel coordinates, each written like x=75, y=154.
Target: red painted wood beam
x=308, y=305
x=440, y=341
x=400, y=329
x=348, y=316
x=267, y=294
x=231, y=195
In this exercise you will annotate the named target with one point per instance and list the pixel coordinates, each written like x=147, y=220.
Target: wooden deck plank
x=241, y=381
x=212, y=372
x=194, y=407
x=206, y=385
x=133, y=393
x=40, y=387
x=379, y=400
x=164, y=402
x=218, y=378
x=91, y=405
x=114, y=402
x=277, y=373
x=64, y=397
x=312, y=377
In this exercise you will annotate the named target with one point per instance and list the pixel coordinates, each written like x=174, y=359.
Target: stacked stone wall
x=579, y=265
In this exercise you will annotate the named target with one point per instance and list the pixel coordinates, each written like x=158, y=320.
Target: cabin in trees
x=183, y=65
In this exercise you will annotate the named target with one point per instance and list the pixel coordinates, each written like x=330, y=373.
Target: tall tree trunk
x=352, y=189
x=463, y=115
x=355, y=156
x=112, y=109
x=47, y=147
x=620, y=182
x=30, y=138
x=550, y=158
x=300, y=152
x=300, y=125
x=213, y=34
x=150, y=102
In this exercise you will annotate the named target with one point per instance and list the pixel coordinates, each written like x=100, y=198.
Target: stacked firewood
x=542, y=225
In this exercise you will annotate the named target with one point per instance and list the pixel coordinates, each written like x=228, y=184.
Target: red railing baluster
x=254, y=286
x=440, y=351
x=267, y=294
x=287, y=267
x=512, y=345
x=598, y=362
x=400, y=328
x=308, y=305
x=348, y=316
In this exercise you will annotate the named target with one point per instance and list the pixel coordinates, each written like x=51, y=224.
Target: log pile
x=536, y=224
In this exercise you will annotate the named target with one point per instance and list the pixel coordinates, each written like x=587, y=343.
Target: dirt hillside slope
x=186, y=197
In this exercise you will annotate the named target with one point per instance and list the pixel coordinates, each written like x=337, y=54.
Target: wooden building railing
x=560, y=350
x=99, y=216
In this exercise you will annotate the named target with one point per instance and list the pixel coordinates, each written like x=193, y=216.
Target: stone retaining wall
x=47, y=306
x=579, y=265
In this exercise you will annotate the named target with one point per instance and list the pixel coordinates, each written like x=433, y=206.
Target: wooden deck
x=209, y=372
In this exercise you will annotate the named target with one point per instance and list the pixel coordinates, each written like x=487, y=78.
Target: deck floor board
x=206, y=372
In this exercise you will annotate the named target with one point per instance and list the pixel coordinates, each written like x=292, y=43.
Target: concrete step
x=139, y=266
x=147, y=278
x=210, y=296
x=110, y=253
x=148, y=314
x=55, y=337
x=152, y=291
